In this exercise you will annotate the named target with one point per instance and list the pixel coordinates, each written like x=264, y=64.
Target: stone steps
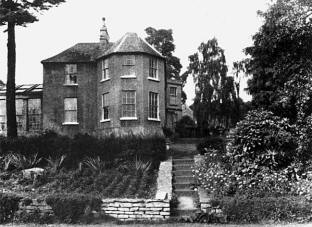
x=184, y=185
x=183, y=213
x=182, y=161
x=186, y=173
x=184, y=179
x=186, y=192
x=182, y=167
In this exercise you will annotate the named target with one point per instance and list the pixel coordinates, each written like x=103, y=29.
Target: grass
x=169, y=225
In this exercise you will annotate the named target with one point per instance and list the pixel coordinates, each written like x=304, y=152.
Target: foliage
x=140, y=166
x=162, y=40
x=95, y=164
x=51, y=145
x=280, y=59
x=185, y=126
x=8, y=207
x=167, y=132
x=21, y=162
x=217, y=143
x=55, y=164
x=268, y=209
x=70, y=208
x=215, y=91
x=17, y=13
x=262, y=140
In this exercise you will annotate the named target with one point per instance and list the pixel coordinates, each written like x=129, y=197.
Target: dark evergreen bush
x=215, y=143
x=268, y=209
x=8, y=207
x=73, y=208
x=50, y=144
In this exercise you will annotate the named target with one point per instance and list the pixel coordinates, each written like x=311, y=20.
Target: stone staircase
x=183, y=188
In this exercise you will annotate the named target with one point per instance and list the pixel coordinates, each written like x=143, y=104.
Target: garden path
x=183, y=151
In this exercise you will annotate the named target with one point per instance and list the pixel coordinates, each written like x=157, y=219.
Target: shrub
x=262, y=140
x=50, y=145
x=185, y=127
x=8, y=207
x=216, y=143
x=70, y=208
x=255, y=210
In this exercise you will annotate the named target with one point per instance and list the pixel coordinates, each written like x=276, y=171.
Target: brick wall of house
x=54, y=93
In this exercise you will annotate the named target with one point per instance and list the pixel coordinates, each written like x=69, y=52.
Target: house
x=28, y=109
x=109, y=87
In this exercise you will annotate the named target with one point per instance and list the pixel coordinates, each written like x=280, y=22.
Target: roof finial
x=104, y=37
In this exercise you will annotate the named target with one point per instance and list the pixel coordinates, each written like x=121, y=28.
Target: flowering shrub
x=262, y=140
x=212, y=174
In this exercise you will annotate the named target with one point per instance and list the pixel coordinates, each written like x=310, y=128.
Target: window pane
x=71, y=68
x=128, y=104
x=2, y=107
x=129, y=60
x=34, y=106
x=153, y=105
x=70, y=109
x=19, y=106
x=105, y=106
x=70, y=103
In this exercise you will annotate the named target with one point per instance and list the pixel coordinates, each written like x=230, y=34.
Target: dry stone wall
x=137, y=209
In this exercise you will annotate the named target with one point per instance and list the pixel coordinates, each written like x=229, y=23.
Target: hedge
x=259, y=210
x=50, y=144
x=73, y=208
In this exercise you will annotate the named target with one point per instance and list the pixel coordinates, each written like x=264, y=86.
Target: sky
x=193, y=21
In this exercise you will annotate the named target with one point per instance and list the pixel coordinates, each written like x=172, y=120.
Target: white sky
x=193, y=21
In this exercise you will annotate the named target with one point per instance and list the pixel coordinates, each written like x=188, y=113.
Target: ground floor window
x=128, y=104
x=105, y=107
x=70, y=110
x=34, y=114
x=153, y=112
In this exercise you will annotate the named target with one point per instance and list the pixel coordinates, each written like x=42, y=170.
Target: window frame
x=151, y=106
x=19, y=115
x=3, y=121
x=71, y=71
x=75, y=110
x=105, y=105
x=129, y=62
x=34, y=125
x=123, y=117
x=173, y=96
x=105, y=70
x=153, y=69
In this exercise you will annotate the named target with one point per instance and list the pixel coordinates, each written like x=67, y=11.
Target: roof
x=23, y=89
x=130, y=43
x=86, y=52
x=81, y=52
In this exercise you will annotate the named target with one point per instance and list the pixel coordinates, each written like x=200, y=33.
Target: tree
x=281, y=50
x=213, y=103
x=17, y=13
x=162, y=40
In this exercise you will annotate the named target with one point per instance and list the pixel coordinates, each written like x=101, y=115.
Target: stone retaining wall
x=137, y=209
x=34, y=206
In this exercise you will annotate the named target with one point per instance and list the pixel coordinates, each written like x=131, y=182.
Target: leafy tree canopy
x=162, y=40
x=280, y=59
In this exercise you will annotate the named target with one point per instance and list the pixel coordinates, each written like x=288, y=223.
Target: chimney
x=104, y=37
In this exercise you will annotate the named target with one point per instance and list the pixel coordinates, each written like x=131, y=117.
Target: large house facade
x=103, y=88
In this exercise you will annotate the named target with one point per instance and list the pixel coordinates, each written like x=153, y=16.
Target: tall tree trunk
x=10, y=92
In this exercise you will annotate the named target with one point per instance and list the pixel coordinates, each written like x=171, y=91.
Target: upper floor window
x=70, y=110
x=128, y=104
x=105, y=69
x=105, y=106
x=129, y=66
x=153, y=73
x=129, y=60
x=71, y=74
x=173, y=95
x=153, y=112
